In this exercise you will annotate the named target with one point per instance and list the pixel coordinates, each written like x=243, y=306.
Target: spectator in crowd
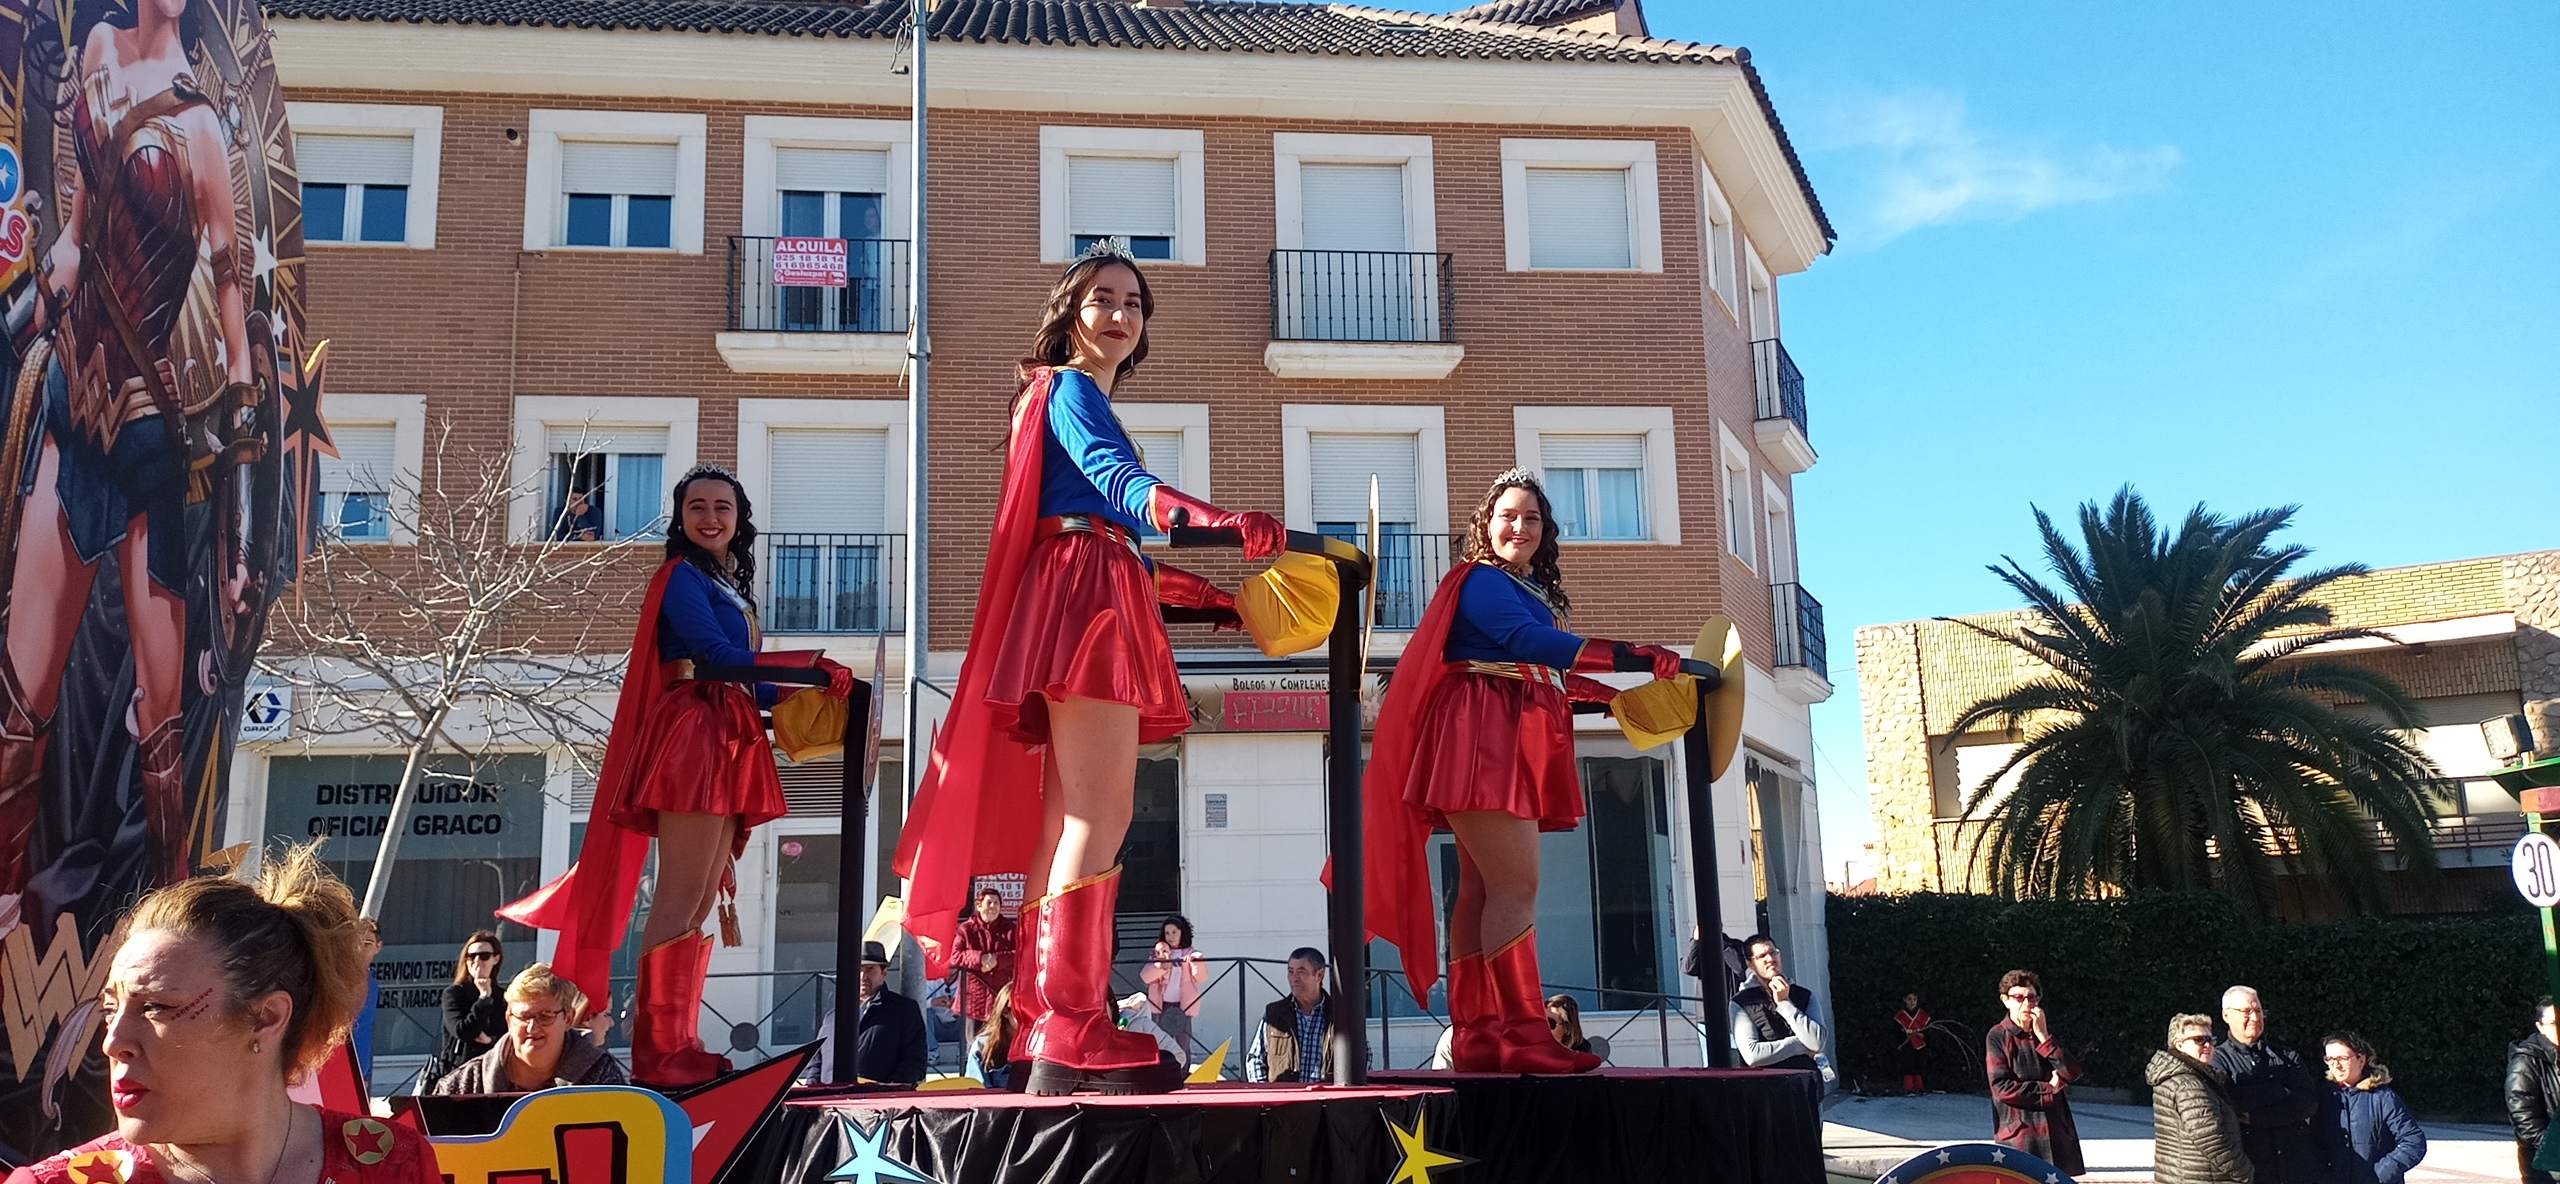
x=360, y=1040
x=2031, y=1075
x=982, y=962
x=2195, y=1133
x=1564, y=1018
x=989, y=1054
x=2367, y=1136
x=890, y=1045
x=1773, y=1024
x=1736, y=968
x=2533, y=1089
x=1912, y=1051
x=2275, y=1095
x=1174, y=977
x=1296, y=1043
x=219, y=995
x=474, y=1014
x=542, y=1047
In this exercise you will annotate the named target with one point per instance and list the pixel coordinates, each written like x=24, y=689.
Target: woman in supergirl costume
x=1476, y=738
x=687, y=762
x=1068, y=672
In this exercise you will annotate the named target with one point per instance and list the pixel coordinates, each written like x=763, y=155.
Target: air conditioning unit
x=2510, y=738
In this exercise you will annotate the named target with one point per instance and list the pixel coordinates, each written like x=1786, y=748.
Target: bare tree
x=457, y=614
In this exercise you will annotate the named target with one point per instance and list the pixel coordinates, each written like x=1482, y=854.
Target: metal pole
x=851, y=868
x=919, y=357
x=1344, y=909
x=1702, y=853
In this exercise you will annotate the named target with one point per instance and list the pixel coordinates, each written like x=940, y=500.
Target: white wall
x=1250, y=887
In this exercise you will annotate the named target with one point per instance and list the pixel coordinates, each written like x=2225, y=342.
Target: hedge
x=2441, y=999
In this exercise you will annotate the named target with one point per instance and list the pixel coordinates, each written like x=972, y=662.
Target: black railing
x=1361, y=296
x=873, y=298
x=1408, y=566
x=1798, y=617
x=833, y=583
x=1778, y=385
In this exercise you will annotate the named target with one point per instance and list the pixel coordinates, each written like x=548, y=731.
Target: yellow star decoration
x=1414, y=1156
x=369, y=1141
x=101, y=1167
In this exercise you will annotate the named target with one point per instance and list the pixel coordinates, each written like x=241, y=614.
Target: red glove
x=839, y=679
x=1264, y=537
x=1578, y=689
x=1601, y=654
x=1183, y=589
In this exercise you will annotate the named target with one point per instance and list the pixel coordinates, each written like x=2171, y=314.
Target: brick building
x=2474, y=640
x=1429, y=247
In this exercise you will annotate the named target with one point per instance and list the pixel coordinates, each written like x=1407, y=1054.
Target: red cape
x=1396, y=837
x=590, y=904
x=977, y=811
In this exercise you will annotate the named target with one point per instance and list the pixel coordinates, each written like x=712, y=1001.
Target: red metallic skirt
x=1493, y=743
x=1086, y=626
x=703, y=751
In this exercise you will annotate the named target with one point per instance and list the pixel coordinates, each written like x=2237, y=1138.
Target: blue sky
x=2247, y=255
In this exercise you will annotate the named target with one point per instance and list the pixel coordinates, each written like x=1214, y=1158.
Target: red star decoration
x=368, y=1141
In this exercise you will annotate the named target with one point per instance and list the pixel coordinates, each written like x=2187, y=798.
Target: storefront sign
x=267, y=714
x=1273, y=703
x=1276, y=711
x=808, y=262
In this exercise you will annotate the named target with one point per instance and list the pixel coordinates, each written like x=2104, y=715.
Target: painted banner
x=808, y=262
x=157, y=430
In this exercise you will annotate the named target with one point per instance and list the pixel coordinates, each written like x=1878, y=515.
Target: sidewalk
x=1864, y=1137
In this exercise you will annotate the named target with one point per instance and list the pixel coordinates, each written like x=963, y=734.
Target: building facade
x=2473, y=641
x=1422, y=247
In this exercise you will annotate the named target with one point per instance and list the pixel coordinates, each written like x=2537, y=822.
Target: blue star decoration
x=869, y=1164
x=1414, y=1156
x=1974, y=1163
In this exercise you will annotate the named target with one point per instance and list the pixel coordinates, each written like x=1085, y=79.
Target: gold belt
x=1085, y=524
x=1521, y=671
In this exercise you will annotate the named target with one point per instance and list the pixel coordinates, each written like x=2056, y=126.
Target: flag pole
x=919, y=360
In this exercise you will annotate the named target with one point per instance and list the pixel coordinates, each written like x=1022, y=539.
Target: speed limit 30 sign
x=2536, y=864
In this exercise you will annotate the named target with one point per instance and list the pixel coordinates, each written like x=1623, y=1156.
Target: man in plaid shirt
x=2031, y=1078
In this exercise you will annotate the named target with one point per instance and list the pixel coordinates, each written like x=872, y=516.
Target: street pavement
x=1862, y=1138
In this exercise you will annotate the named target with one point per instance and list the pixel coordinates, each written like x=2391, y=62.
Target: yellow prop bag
x=1660, y=710
x=809, y=724
x=1289, y=608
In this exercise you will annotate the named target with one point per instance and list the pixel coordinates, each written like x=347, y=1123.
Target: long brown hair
x=1543, y=570
x=462, y=960
x=1055, y=343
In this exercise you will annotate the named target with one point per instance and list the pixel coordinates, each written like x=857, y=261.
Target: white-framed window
x=1146, y=185
x=1717, y=225
x=590, y=469
x=368, y=492
x=1777, y=513
x=369, y=172
x=1610, y=471
x=1733, y=486
x=1173, y=443
x=1764, y=294
x=1581, y=205
x=827, y=178
x=614, y=180
x=828, y=478
x=1329, y=454
x=1356, y=224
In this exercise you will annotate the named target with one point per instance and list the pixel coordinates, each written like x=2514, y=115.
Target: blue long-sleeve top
x=702, y=621
x=1088, y=465
x=1502, y=619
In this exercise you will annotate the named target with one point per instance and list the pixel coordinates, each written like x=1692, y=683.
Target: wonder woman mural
x=150, y=245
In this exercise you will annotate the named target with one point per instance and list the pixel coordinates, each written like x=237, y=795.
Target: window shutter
x=365, y=461
x=604, y=166
x=1120, y=195
x=1591, y=452
x=601, y=438
x=827, y=481
x=1578, y=218
x=1161, y=453
x=831, y=170
x=1339, y=484
x=1352, y=207
x=333, y=159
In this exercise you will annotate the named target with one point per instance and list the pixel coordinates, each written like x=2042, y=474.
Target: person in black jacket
x=2274, y=1092
x=475, y=1007
x=2533, y=1089
x=890, y=1046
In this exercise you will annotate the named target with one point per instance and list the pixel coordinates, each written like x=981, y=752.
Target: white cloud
x=1932, y=168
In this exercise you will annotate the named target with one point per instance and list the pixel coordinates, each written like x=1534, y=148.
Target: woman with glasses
x=542, y=1047
x=2031, y=1075
x=474, y=1015
x=2367, y=1134
x=2195, y=1134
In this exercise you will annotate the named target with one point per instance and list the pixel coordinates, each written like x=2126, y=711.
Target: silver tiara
x=1516, y=475
x=1109, y=246
x=709, y=470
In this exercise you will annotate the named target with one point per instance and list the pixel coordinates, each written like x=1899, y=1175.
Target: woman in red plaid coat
x=982, y=957
x=2031, y=1075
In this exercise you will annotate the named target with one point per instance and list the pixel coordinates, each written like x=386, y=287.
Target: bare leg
x=156, y=620
x=1466, y=913
x=693, y=849
x=51, y=588
x=1093, y=766
x=1504, y=850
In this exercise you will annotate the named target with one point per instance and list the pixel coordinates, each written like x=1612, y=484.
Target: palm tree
x=2178, y=714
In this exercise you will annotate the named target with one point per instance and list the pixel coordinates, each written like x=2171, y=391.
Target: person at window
x=2367, y=1135
x=1068, y=671
x=2533, y=1090
x=1174, y=976
x=1912, y=1051
x=982, y=961
x=1477, y=738
x=2195, y=1134
x=2273, y=1091
x=581, y=517
x=220, y=997
x=1296, y=1041
x=542, y=1047
x=687, y=762
x=474, y=1014
x=1773, y=1017
x=2031, y=1075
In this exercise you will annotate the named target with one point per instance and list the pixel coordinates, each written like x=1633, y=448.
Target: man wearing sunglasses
x=2031, y=1075
x=2273, y=1090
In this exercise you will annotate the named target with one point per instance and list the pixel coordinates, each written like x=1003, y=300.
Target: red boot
x=1028, y=1008
x=1526, y=1044
x=22, y=734
x=1077, y=1045
x=167, y=808
x=1473, y=1046
x=666, y=1041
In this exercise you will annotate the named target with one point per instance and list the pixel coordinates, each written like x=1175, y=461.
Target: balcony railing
x=872, y=300
x=1777, y=384
x=1408, y=566
x=1384, y=296
x=834, y=583
x=1798, y=617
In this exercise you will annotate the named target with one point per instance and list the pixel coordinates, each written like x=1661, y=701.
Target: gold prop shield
x=1289, y=607
x=1660, y=710
x=809, y=724
x=1720, y=644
